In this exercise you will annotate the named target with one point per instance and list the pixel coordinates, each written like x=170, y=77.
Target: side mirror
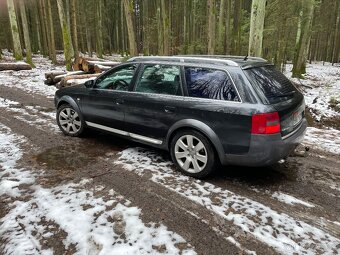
x=89, y=84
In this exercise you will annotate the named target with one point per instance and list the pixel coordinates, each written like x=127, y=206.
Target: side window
x=117, y=79
x=210, y=83
x=160, y=79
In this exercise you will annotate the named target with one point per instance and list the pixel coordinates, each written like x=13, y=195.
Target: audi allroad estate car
x=203, y=109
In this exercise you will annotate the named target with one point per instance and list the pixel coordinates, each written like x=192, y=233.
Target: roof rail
x=186, y=59
x=226, y=57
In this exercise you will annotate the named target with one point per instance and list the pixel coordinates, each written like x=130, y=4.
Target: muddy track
x=311, y=179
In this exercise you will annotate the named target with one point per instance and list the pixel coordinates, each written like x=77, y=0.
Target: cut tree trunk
x=55, y=77
x=101, y=68
x=15, y=66
x=67, y=81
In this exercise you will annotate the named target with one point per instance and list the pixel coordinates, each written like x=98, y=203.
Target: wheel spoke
x=181, y=154
x=77, y=123
x=181, y=144
x=62, y=114
x=186, y=164
x=75, y=115
x=199, y=146
x=189, y=141
x=74, y=128
x=201, y=158
x=63, y=122
x=68, y=127
x=68, y=112
x=196, y=166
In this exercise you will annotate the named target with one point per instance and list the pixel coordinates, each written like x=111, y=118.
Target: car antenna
x=245, y=58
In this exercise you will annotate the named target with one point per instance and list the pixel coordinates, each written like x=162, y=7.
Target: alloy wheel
x=191, y=154
x=69, y=120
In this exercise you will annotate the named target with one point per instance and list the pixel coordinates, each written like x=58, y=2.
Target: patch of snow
x=279, y=230
x=93, y=225
x=31, y=81
x=325, y=82
x=30, y=115
x=288, y=199
x=10, y=176
x=237, y=244
x=323, y=139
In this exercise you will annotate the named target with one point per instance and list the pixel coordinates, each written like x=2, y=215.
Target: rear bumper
x=267, y=149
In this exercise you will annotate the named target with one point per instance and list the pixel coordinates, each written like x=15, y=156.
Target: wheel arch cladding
x=200, y=127
x=68, y=100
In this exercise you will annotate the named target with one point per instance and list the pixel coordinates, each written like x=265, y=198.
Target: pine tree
x=128, y=7
x=26, y=34
x=211, y=26
x=256, y=27
x=14, y=30
x=67, y=40
x=299, y=63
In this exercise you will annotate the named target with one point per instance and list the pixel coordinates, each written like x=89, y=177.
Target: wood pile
x=16, y=66
x=92, y=65
x=83, y=69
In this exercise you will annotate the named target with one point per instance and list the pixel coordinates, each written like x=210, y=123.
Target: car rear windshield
x=273, y=84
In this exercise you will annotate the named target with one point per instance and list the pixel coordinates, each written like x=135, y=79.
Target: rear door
x=276, y=90
x=213, y=99
x=103, y=105
x=152, y=107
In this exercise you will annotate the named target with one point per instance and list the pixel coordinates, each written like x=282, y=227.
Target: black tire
x=72, y=124
x=197, y=168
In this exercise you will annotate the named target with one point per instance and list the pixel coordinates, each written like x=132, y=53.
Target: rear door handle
x=169, y=109
x=119, y=101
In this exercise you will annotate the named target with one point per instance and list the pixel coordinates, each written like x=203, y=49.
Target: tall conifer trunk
x=51, y=31
x=256, y=27
x=299, y=63
x=67, y=40
x=211, y=26
x=15, y=31
x=128, y=8
x=26, y=34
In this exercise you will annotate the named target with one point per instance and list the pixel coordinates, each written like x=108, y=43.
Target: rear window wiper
x=286, y=94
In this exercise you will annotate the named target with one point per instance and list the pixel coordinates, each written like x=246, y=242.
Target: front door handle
x=169, y=109
x=119, y=101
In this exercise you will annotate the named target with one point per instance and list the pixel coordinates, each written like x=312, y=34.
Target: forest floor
x=104, y=195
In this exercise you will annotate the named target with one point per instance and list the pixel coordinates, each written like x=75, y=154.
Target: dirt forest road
x=290, y=208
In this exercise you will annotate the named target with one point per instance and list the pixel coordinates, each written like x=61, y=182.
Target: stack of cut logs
x=83, y=69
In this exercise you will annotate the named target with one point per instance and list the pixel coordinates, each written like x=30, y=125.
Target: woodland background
x=277, y=30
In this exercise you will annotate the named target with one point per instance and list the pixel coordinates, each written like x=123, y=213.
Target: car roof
x=244, y=62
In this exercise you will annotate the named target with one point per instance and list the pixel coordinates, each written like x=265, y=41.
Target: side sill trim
x=122, y=132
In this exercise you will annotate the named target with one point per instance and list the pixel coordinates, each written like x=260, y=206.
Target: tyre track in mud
x=56, y=149
x=231, y=181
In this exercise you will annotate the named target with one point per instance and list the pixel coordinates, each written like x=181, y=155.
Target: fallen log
x=15, y=66
x=58, y=78
x=67, y=80
x=53, y=74
x=101, y=68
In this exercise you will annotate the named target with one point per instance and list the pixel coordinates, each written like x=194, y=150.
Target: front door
x=103, y=105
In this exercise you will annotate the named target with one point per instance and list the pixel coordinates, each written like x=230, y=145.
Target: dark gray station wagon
x=203, y=109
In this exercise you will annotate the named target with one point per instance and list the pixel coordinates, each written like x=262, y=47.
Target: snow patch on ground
x=325, y=82
x=31, y=81
x=30, y=114
x=323, y=139
x=84, y=223
x=279, y=230
x=10, y=176
x=288, y=199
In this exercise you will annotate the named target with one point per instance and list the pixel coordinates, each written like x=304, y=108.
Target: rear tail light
x=265, y=123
